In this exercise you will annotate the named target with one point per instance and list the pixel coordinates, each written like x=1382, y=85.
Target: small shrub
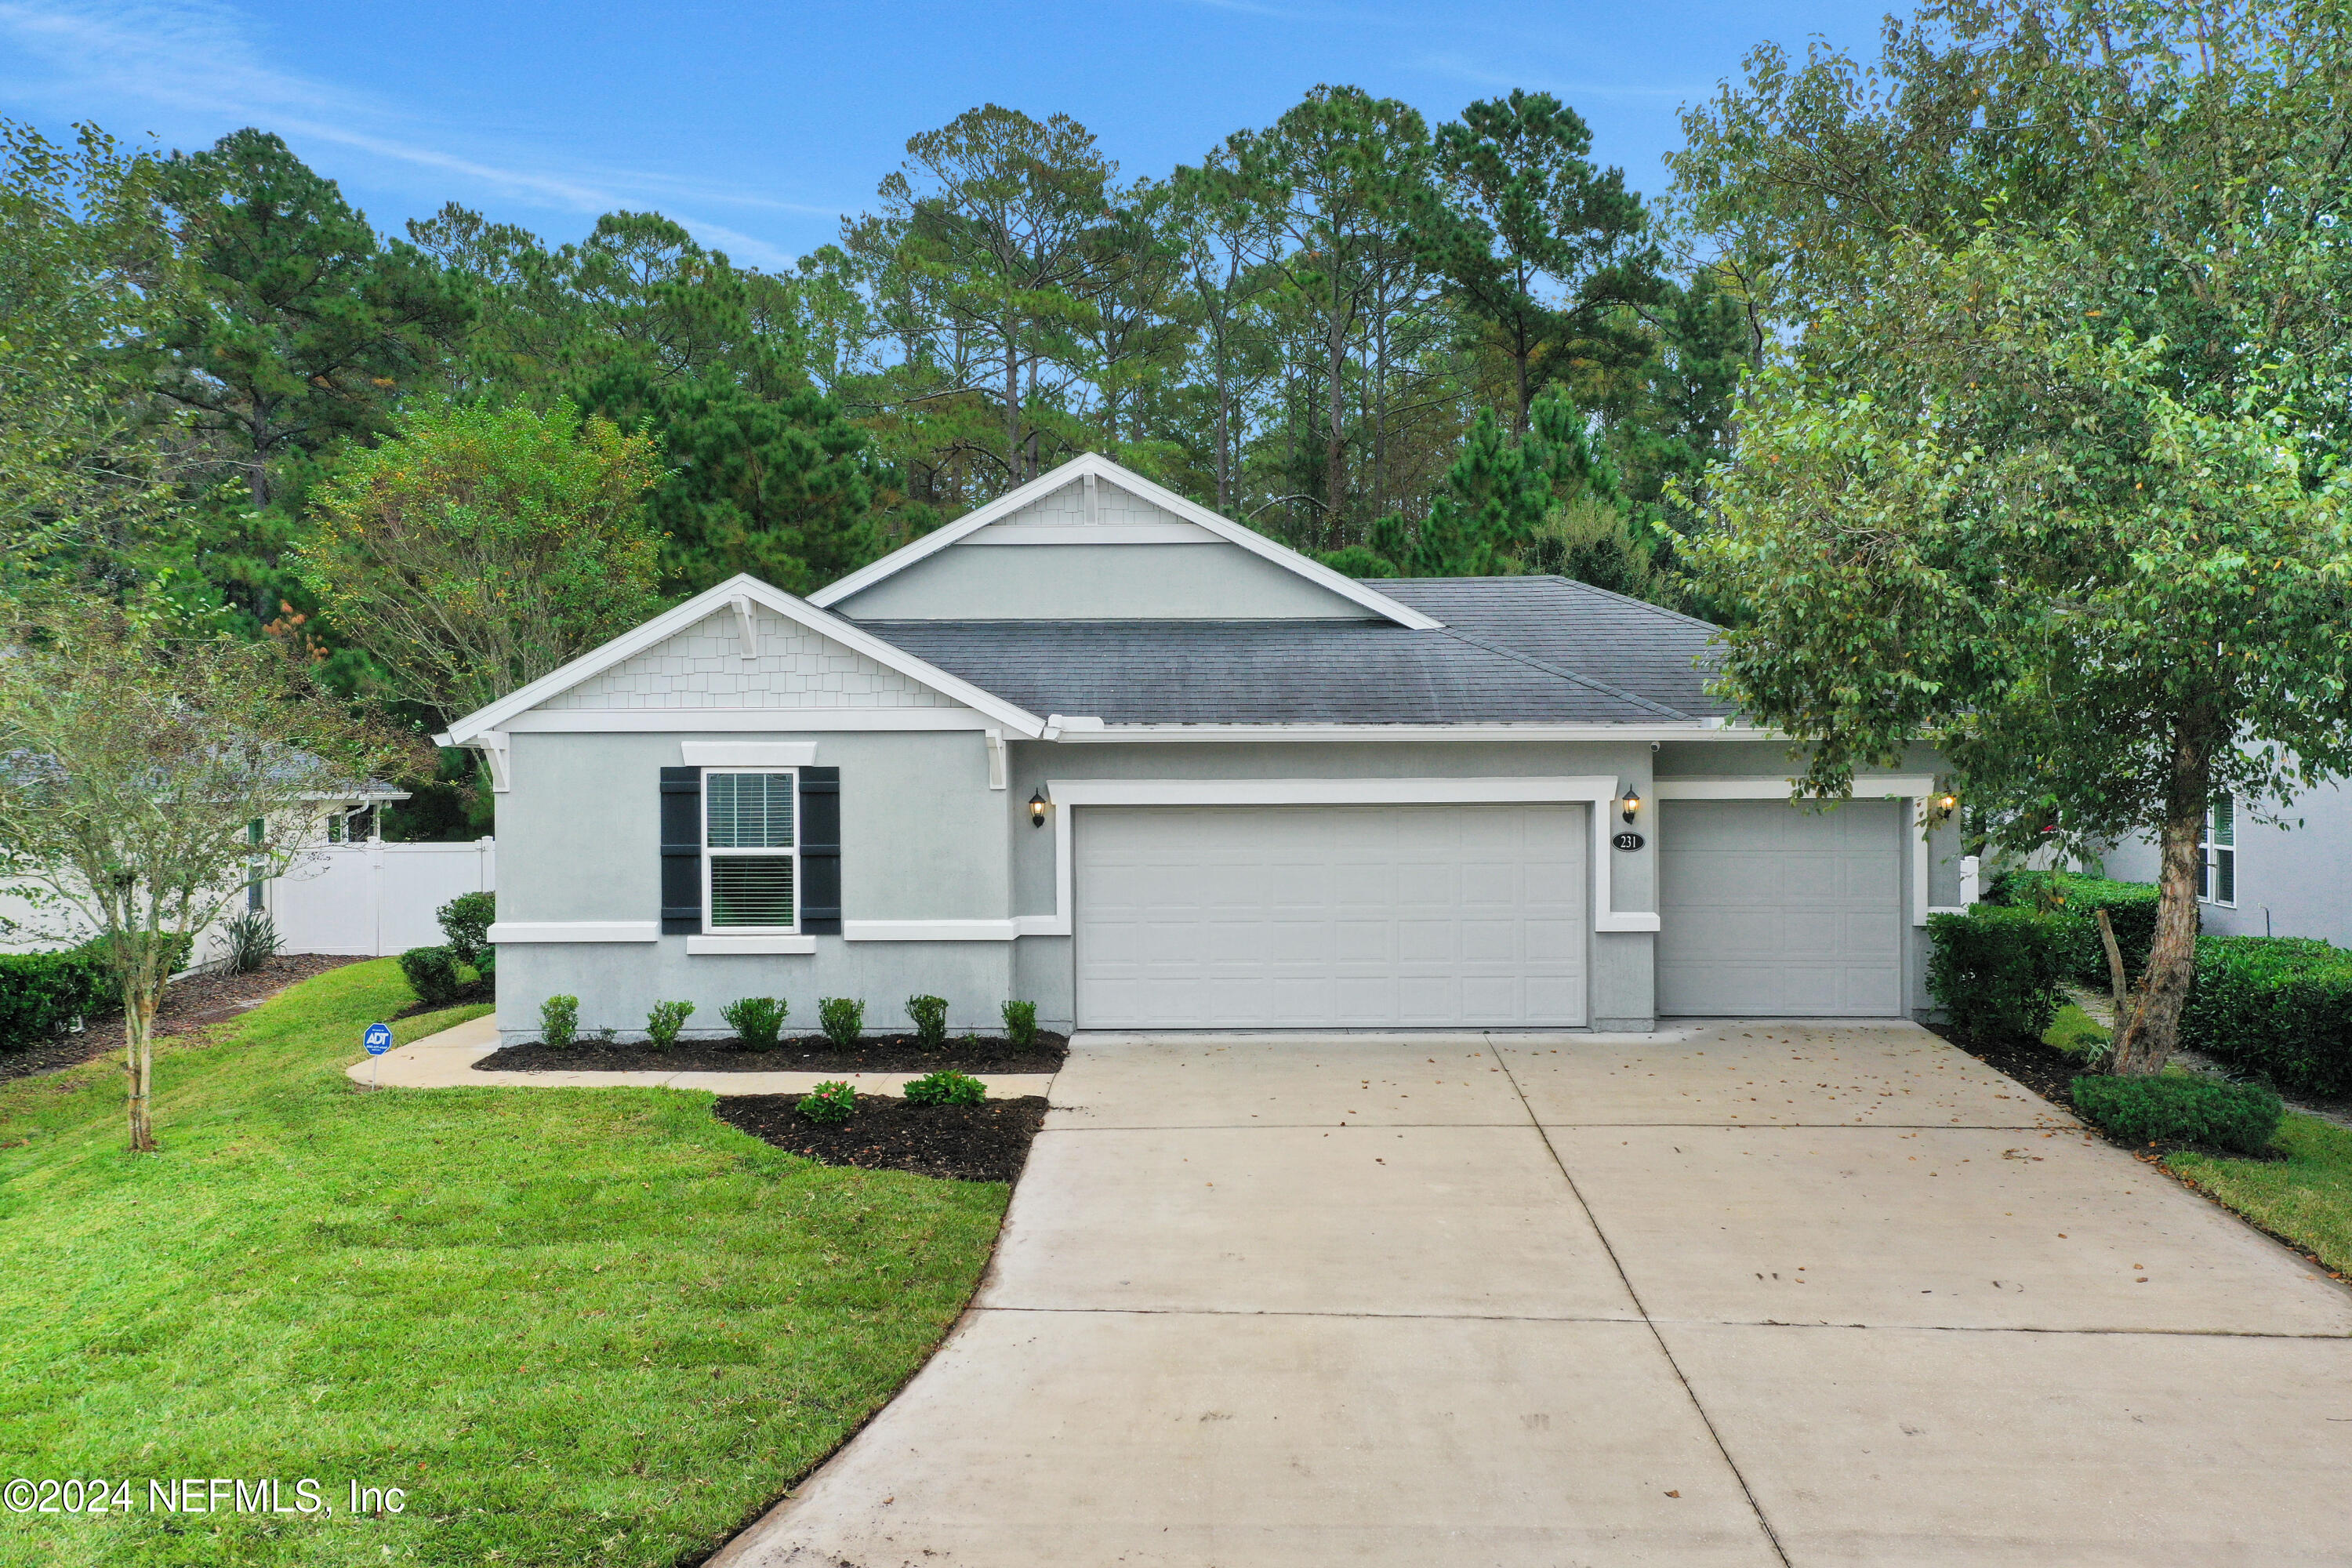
x=42, y=994
x=250, y=941
x=758, y=1021
x=945, y=1087
x=828, y=1104
x=466, y=926
x=2240, y=1117
x=2277, y=1006
x=665, y=1021
x=433, y=974
x=843, y=1019
x=558, y=1021
x=1021, y=1024
x=931, y=1017
x=1997, y=970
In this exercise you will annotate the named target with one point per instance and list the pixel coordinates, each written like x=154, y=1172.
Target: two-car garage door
x=1240, y=917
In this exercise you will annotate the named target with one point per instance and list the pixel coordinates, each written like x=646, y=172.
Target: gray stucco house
x=2281, y=875
x=1095, y=746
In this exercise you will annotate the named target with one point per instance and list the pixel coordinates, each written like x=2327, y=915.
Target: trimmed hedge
x=2279, y=1006
x=433, y=974
x=41, y=994
x=2075, y=902
x=1996, y=971
x=2240, y=1117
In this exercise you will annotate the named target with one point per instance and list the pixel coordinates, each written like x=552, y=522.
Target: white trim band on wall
x=773, y=720
x=574, y=930
x=748, y=754
x=930, y=930
x=1068, y=794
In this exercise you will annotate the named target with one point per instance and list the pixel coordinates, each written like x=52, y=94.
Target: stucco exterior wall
x=2292, y=873
x=1212, y=581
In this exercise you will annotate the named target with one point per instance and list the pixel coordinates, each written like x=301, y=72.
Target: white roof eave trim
x=701, y=607
x=1135, y=484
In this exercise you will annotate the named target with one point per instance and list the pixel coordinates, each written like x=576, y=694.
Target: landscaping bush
x=829, y=1104
x=250, y=941
x=931, y=1017
x=2278, y=1007
x=945, y=1087
x=1996, y=971
x=758, y=1021
x=665, y=1021
x=1021, y=1024
x=843, y=1019
x=2182, y=1108
x=558, y=1021
x=2075, y=902
x=433, y=974
x=466, y=926
x=41, y=994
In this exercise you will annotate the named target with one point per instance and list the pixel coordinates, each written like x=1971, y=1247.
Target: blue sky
x=759, y=125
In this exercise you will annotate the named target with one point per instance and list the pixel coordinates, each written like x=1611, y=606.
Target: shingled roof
x=1514, y=650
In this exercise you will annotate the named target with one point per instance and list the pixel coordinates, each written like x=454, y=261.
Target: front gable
x=1092, y=541
x=751, y=659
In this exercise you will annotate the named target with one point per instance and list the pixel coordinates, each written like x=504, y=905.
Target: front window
x=751, y=856
x=2217, y=880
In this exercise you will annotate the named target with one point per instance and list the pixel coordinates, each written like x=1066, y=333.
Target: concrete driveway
x=1749, y=1293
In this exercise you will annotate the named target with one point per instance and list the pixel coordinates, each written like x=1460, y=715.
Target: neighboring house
x=2267, y=878
x=1097, y=747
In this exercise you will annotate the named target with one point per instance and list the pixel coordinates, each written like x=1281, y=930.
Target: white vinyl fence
x=374, y=897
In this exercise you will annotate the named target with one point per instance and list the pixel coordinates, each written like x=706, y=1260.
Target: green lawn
x=2306, y=1197
x=577, y=1326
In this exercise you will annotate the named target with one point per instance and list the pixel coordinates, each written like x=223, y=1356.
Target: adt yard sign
x=378, y=1039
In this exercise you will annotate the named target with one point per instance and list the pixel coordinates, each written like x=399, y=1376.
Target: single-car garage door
x=1330, y=916
x=1765, y=909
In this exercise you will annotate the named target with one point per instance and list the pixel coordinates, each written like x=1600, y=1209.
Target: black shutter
x=821, y=851
x=681, y=851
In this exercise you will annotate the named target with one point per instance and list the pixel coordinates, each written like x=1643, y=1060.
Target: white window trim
x=793, y=854
x=1917, y=788
x=505, y=932
x=1068, y=794
x=2209, y=865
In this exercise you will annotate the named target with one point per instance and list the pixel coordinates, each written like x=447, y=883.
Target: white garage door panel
x=1765, y=909
x=1314, y=917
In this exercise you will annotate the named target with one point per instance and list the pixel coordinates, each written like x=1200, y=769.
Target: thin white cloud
x=200, y=58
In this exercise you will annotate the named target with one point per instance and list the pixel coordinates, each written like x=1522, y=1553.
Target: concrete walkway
x=1745, y=1294
x=446, y=1060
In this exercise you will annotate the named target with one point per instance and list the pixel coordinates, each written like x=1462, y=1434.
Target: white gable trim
x=469, y=730
x=1092, y=468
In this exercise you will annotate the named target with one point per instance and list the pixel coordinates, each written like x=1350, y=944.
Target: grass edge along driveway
x=592, y=1326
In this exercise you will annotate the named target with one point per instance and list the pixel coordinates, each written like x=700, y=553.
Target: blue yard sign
x=378, y=1039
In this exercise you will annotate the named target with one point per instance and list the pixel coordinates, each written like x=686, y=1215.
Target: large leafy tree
x=480, y=547
x=1536, y=239
x=145, y=778
x=2051, y=476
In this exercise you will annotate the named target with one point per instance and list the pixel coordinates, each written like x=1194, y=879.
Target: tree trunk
x=1011, y=411
x=139, y=1052
x=1519, y=378
x=2146, y=1043
x=1335, y=447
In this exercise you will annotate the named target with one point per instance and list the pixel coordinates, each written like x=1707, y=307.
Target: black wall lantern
x=1039, y=806
x=1631, y=804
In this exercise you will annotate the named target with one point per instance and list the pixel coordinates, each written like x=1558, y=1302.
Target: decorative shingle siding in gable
x=1067, y=508
x=704, y=667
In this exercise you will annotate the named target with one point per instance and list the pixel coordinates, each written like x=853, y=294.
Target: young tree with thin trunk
x=2057, y=485
x=145, y=779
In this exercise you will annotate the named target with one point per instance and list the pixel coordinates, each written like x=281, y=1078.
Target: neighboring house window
x=751, y=856
x=2218, y=878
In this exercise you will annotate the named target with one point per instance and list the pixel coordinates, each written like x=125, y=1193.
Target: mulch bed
x=983, y=1142
x=803, y=1053
x=198, y=1003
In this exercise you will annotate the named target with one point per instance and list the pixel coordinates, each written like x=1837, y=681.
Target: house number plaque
x=1629, y=841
